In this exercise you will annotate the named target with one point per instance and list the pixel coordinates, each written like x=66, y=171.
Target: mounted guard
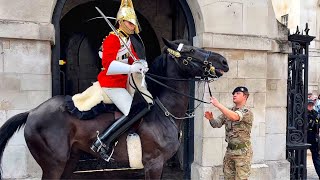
x=121, y=69
x=56, y=138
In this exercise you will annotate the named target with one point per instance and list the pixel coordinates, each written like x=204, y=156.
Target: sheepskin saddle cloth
x=90, y=103
x=134, y=151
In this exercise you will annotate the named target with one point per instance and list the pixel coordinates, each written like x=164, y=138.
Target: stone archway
x=163, y=28
x=81, y=36
x=78, y=40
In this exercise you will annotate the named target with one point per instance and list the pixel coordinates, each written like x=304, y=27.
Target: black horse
x=55, y=138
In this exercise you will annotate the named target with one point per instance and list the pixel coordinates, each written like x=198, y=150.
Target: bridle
x=209, y=70
x=149, y=76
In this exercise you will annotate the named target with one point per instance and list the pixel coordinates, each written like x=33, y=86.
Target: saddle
x=90, y=103
x=90, y=97
x=94, y=101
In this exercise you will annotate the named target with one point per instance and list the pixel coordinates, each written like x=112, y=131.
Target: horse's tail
x=9, y=128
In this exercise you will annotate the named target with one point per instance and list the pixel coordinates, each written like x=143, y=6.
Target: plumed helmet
x=126, y=12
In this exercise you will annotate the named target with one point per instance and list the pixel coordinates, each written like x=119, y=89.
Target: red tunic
x=111, y=46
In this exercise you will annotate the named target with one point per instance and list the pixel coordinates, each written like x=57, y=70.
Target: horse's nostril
x=225, y=62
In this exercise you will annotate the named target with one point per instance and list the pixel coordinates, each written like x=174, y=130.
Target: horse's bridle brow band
x=174, y=53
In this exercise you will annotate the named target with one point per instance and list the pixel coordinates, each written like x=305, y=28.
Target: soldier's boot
x=104, y=141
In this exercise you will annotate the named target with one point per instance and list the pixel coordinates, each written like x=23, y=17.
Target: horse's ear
x=169, y=44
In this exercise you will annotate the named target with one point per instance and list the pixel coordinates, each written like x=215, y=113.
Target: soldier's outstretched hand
x=214, y=101
x=208, y=115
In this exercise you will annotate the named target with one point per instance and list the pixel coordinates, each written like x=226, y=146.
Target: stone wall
x=25, y=83
x=313, y=17
x=27, y=11
x=302, y=12
x=290, y=7
x=256, y=48
x=25, y=76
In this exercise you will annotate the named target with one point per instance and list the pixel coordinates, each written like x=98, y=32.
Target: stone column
x=248, y=35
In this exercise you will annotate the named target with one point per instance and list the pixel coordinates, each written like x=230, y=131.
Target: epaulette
x=120, y=32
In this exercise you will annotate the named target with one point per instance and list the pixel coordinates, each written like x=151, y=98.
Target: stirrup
x=105, y=156
x=101, y=143
x=103, y=149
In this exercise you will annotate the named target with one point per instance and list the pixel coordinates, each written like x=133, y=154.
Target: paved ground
x=168, y=174
x=311, y=172
x=171, y=171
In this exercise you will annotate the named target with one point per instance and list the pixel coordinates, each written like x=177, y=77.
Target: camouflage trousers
x=236, y=166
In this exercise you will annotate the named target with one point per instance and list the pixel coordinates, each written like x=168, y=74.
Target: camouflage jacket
x=237, y=132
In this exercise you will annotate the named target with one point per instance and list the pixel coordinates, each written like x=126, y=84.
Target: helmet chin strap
x=125, y=28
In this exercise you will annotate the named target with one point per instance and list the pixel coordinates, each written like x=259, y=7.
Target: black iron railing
x=297, y=104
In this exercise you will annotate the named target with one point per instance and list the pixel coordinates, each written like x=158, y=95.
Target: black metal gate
x=297, y=146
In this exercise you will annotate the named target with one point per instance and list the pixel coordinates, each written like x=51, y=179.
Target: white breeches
x=138, y=80
x=122, y=97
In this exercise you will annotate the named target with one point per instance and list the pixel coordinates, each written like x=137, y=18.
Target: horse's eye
x=192, y=50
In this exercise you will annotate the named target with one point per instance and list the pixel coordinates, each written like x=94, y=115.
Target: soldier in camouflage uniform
x=238, y=124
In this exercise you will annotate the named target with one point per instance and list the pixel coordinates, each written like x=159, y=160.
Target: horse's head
x=196, y=61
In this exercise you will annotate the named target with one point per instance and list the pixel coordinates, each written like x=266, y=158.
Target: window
x=284, y=19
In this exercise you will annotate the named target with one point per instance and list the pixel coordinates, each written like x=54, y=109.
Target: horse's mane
x=159, y=67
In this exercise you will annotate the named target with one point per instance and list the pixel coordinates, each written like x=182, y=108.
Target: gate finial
x=307, y=29
x=297, y=31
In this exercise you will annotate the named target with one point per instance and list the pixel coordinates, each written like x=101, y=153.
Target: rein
x=174, y=79
x=157, y=100
x=175, y=91
x=209, y=70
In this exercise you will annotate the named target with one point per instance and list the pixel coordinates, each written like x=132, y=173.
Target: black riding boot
x=105, y=140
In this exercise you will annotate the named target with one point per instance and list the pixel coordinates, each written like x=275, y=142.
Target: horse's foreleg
x=153, y=168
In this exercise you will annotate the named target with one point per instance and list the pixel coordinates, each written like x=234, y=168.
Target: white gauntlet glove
x=117, y=67
x=140, y=66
